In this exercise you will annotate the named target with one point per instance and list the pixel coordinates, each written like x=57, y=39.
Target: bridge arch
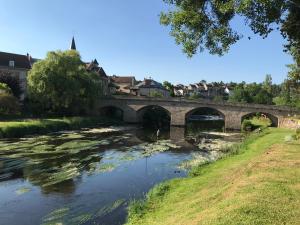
x=274, y=119
x=205, y=118
x=112, y=112
x=154, y=116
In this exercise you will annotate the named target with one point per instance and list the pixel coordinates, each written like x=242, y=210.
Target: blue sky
x=127, y=39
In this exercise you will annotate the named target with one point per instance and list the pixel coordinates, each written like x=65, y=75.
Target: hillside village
x=19, y=65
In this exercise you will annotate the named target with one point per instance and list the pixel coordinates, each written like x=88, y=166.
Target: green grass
x=20, y=128
x=260, y=184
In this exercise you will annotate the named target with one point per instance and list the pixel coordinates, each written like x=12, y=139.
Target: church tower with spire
x=73, y=45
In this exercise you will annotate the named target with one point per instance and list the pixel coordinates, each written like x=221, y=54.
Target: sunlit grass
x=260, y=184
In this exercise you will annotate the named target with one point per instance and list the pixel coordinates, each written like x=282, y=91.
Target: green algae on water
x=108, y=209
x=22, y=190
x=56, y=216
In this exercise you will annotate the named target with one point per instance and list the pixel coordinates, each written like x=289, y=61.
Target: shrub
x=12, y=82
x=8, y=104
x=218, y=98
x=247, y=125
x=298, y=134
x=136, y=209
x=5, y=89
x=194, y=96
x=289, y=138
x=156, y=94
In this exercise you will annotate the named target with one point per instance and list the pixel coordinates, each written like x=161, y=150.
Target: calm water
x=87, y=176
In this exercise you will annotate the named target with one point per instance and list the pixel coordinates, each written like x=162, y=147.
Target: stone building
x=149, y=87
x=125, y=84
x=93, y=66
x=18, y=66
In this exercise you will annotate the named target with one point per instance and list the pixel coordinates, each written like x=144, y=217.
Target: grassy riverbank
x=258, y=185
x=20, y=128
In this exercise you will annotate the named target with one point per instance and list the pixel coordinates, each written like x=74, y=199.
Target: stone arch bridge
x=178, y=109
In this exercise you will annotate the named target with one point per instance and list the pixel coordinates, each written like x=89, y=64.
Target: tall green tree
x=61, y=83
x=292, y=83
x=267, y=84
x=169, y=87
x=206, y=24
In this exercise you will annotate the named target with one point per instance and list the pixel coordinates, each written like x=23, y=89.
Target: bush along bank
x=21, y=128
x=242, y=188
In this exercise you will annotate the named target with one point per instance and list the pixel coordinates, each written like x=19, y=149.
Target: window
x=11, y=63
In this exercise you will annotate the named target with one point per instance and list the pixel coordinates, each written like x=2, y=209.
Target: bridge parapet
x=204, y=101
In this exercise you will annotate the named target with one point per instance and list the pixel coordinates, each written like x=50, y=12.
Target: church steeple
x=73, y=45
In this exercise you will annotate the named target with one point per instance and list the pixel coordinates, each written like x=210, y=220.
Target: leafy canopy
x=262, y=93
x=205, y=24
x=61, y=83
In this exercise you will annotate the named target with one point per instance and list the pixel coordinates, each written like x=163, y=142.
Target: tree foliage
x=205, y=24
x=262, y=93
x=61, y=83
x=290, y=93
x=169, y=87
x=156, y=94
x=9, y=104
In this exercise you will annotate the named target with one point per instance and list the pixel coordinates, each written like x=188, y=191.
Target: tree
x=290, y=91
x=240, y=95
x=206, y=24
x=267, y=84
x=169, y=87
x=155, y=94
x=12, y=82
x=251, y=93
x=263, y=97
x=61, y=83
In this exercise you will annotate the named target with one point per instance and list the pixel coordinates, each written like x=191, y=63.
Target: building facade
x=124, y=84
x=150, y=87
x=17, y=66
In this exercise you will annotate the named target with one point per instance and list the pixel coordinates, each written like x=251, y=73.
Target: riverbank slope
x=259, y=185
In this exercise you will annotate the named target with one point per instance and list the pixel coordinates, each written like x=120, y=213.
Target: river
x=90, y=176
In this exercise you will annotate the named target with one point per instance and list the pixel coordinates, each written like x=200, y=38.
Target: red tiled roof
x=20, y=61
x=118, y=79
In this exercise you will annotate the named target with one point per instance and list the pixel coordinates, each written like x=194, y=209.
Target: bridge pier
x=233, y=121
x=177, y=119
x=177, y=133
x=130, y=116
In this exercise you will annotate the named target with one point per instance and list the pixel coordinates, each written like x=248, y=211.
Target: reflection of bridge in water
x=204, y=118
x=133, y=109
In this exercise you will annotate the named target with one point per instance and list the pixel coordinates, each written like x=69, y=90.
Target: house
x=18, y=66
x=180, y=90
x=93, y=66
x=148, y=87
x=124, y=84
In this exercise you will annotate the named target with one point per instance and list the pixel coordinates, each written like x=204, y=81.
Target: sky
x=126, y=39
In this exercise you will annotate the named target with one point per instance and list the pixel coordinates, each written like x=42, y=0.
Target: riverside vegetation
x=257, y=184
x=22, y=127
